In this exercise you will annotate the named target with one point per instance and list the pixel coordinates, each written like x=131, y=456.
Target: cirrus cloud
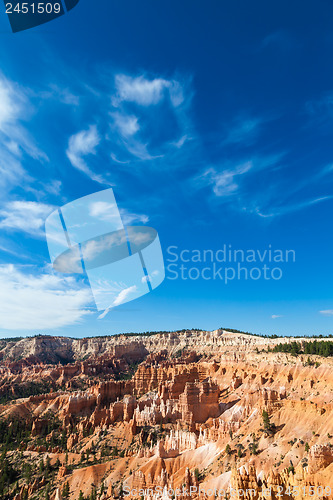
x=146, y=92
x=25, y=216
x=82, y=144
x=326, y=312
x=30, y=302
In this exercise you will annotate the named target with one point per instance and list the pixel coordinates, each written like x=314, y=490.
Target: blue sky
x=212, y=122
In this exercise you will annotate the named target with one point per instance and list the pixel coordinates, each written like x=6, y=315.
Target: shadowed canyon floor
x=185, y=414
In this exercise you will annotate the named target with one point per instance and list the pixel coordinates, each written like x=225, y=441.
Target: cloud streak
x=15, y=138
x=30, y=302
x=120, y=299
x=25, y=216
x=256, y=186
x=147, y=118
x=146, y=92
x=326, y=312
x=283, y=210
x=224, y=183
x=80, y=145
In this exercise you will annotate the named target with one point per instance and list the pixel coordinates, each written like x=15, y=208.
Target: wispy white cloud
x=120, y=299
x=146, y=92
x=82, y=144
x=176, y=92
x=224, y=183
x=9, y=107
x=180, y=143
x=109, y=212
x=129, y=218
x=11, y=169
x=147, y=278
x=10, y=251
x=14, y=109
x=127, y=125
x=33, y=302
x=123, y=295
x=140, y=150
x=14, y=136
x=25, y=216
x=231, y=180
x=326, y=312
x=135, y=132
x=61, y=94
x=293, y=207
x=53, y=187
x=242, y=185
x=115, y=159
x=104, y=210
x=276, y=316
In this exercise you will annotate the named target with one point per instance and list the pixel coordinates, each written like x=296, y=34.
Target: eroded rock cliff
x=205, y=415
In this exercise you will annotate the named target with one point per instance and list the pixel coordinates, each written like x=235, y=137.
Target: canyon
x=168, y=415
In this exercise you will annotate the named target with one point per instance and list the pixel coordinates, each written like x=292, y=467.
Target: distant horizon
x=151, y=333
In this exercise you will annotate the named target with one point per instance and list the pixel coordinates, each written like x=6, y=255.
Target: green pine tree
x=268, y=426
x=65, y=491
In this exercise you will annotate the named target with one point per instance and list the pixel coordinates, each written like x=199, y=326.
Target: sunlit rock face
x=178, y=410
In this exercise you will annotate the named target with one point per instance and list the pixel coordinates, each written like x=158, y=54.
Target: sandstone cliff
x=195, y=412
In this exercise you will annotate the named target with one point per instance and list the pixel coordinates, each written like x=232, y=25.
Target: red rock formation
x=178, y=420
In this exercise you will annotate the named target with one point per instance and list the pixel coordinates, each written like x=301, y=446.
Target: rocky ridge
x=49, y=349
